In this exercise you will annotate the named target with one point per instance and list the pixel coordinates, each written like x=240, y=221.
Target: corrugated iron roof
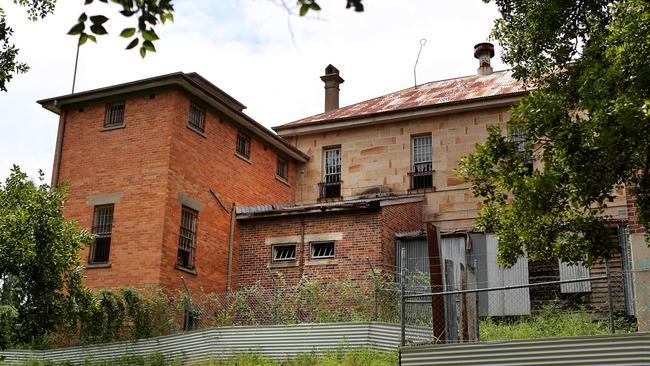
x=430, y=94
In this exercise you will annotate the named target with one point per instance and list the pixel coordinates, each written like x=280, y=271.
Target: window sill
x=421, y=190
x=286, y=264
x=97, y=265
x=322, y=262
x=199, y=132
x=111, y=128
x=286, y=182
x=187, y=270
x=248, y=160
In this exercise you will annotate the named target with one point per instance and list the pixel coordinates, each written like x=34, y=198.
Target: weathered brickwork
x=363, y=233
x=150, y=161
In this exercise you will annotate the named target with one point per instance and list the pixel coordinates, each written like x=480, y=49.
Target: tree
x=40, y=271
x=587, y=123
x=148, y=13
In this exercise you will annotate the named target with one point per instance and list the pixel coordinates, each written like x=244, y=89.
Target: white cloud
x=245, y=48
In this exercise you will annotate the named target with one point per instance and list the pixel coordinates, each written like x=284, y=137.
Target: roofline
x=221, y=102
x=501, y=100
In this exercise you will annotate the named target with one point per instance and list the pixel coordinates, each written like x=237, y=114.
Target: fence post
x=403, y=292
x=374, y=280
x=610, y=306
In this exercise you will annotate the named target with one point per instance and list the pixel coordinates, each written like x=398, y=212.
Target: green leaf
x=98, y=19
x=149, y=35
x=148, y=45
x=127, y=32
x=304, y=8
x=82, y=39
x=133, y=43
x=77, y=29
x=98, y=29
x=143, y=52
x=91, y=37
x=82, y=18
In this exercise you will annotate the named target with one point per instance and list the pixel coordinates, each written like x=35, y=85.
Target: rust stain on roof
x=425, y=95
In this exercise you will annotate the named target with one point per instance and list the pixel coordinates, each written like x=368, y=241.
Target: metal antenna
x=76, y=62
x=423, y=42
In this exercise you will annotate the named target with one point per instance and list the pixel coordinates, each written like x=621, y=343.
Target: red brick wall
x=396, y=218
x=632, y=214
x=150, y=161
x=365, y=234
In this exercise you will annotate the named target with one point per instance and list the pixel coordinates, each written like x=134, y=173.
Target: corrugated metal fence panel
x=279, y=341
x=507, y=302
x=574, y=272
x=620, y=349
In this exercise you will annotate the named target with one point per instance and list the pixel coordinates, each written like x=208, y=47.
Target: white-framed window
x=422, y=168
x=243, y=146
x=284, y=252
x=322, y=250
x=282, y=170
x=331, y=185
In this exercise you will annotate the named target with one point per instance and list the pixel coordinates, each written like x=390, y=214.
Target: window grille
x=102, y=229
x=187, y=238
x=322, y=250
x=114, y=114
x=284, y=252
x=282, y=169
x=196, y=118
x=331, y=186
x=422, y=170
x=520, y=138
x=243, y=147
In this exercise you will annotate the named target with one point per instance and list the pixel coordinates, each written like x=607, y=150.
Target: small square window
x=322, y=250
x=284, y=252
x=243, y=147
x=114, y=114
x=283, y=169
x=196, y=119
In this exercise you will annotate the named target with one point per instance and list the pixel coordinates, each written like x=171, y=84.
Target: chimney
x=332, y=81
x=484, y=52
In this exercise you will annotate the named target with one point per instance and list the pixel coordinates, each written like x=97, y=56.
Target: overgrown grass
x=550, y=322
x=344, y=357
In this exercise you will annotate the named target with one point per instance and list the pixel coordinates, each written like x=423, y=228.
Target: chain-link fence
x=474, y=300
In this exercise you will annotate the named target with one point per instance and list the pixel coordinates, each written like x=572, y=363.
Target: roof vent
x=484, y=52
x=332, y=81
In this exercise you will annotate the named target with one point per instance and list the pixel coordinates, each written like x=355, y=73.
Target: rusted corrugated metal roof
x=430, y=94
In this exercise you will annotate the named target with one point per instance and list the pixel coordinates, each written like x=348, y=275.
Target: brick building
x=155, y=168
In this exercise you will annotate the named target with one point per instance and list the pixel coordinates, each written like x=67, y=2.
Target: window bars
x=187, y=238
x=331, y=186
x=322, y=250
x=284, y=252
x=196, y=118
x=282, y=169
x=114, y=114
x=243, y=146
x=102, y=229
x=421, y=175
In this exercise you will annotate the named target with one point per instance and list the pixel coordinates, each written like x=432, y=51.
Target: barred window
x=187, y=238
x=102, y=229
x=243, y=147
x=520, y=139
x=283, y=169
x=284, y=252
x=421, y=175
x=114, y=114
x=196, y=118
x=332, y=165
x=322, y=250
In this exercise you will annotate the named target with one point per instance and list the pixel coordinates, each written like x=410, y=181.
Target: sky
x=252, y=49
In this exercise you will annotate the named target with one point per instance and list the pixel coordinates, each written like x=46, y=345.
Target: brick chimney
x=332, y=81
x=484, y=52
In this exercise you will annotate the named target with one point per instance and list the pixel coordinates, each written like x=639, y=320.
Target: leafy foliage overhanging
x=147, y=14
x=587, y=123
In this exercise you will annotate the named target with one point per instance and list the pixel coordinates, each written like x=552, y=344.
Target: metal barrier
x=618, y=349
x=276, y=341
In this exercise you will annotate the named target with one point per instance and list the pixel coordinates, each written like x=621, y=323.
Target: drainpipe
x=230, y=244
x=59, y=148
